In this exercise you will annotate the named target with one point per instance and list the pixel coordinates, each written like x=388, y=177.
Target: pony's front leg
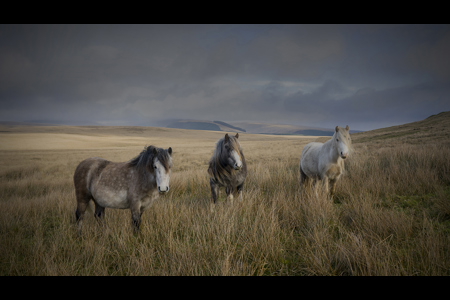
x=325, y=185
x=135, y=217
x=214, y=191
x=333, y=188
x=229, y=191
x=240, y=188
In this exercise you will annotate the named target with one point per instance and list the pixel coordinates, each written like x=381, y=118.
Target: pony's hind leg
x=84, y=198
x=304, y=181
x=79, y=215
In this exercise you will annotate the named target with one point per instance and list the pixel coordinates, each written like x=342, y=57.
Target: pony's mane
x=346, y=134
x=218, y=164
x=146, y=157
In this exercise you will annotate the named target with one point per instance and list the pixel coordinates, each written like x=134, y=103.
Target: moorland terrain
x=390, y=214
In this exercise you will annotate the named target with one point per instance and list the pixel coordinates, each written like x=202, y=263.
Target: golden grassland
x=390, y=214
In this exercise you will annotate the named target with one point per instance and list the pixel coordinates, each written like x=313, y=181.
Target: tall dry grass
x=390, y=216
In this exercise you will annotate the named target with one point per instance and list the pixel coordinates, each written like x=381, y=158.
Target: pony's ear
x=337, y=128
x=237, y=135
x=226, y=138
x=154, y=151
x=170, y=151
x=346, y=128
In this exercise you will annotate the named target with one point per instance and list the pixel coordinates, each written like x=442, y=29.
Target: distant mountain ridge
x=245, y=127
x=231, y=126
x=194, y=125
x=204, y=125
x=315, y=132
x=282, y=129
x=252, y=127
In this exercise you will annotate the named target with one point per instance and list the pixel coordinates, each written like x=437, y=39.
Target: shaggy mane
x=345, y=135
x=146, y=157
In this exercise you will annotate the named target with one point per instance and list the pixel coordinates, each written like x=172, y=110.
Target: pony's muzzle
x=237, y=167
x=163, y=190
x=344, y=155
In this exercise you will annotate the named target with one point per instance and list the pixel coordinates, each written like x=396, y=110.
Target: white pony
x=325, y=161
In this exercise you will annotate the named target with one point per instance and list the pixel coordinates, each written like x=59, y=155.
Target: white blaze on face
x=162, y=177
x=237, y=160
x=342, y=146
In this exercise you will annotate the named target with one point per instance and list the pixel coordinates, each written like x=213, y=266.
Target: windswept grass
x=390, y=216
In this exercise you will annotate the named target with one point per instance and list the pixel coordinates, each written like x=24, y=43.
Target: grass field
x=390, y=214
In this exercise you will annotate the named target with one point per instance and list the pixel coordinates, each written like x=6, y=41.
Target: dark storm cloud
x=366, y=75
x=388, y=107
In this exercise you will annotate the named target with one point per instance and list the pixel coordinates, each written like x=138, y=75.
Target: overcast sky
x=364, y=76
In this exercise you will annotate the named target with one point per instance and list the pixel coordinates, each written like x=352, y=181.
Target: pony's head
x=162, y=164
x=231, y=151
x=157, y=161
x=342, y=141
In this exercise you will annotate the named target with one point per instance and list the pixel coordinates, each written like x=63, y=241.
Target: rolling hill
x=434, y=129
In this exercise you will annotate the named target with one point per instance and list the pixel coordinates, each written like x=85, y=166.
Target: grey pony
x=133, y=185
x=227, y=168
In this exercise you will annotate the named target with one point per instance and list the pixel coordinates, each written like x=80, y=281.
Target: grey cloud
x=308, y=74
x=431, y=57
x=318, y=100
x=389, y=106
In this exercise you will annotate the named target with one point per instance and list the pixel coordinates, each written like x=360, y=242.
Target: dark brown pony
x=135, y=184
x=227, y=168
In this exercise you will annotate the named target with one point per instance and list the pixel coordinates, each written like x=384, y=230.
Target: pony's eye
x=337, y=140
x=155, y=167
